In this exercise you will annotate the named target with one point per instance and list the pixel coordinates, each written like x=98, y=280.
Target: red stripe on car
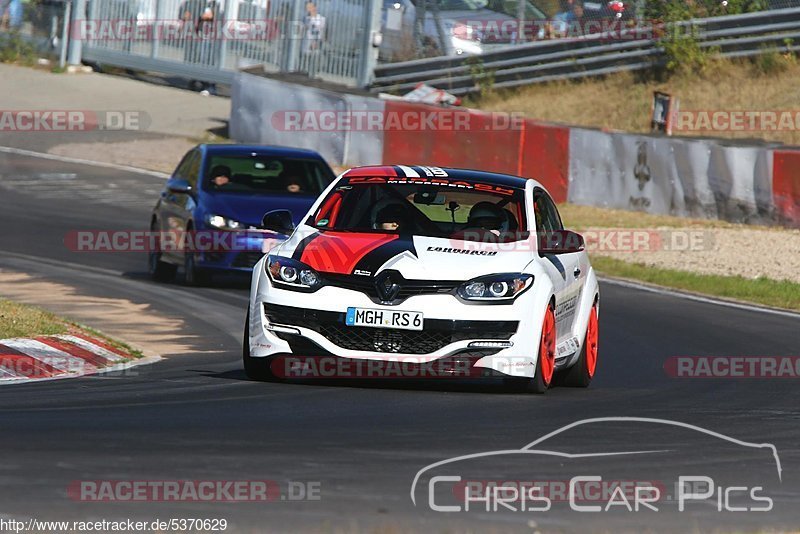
x=385, y=170
x=339, y=252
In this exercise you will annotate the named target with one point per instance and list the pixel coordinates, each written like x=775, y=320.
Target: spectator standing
x=313, y=38
x=200, y=19
x=10, y=14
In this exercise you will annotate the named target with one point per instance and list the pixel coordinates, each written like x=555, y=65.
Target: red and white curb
x=61, y=356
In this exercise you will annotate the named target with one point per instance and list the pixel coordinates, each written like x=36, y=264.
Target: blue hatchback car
x=208, y=218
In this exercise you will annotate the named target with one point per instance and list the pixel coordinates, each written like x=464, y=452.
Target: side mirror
x=278, y=221
x=561, y=242
x=178, y=185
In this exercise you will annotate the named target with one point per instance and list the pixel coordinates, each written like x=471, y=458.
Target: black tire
x=192, y=274
x=576, y=376
x=160, y=271
x=579, y=376
x=537, y=384
x=255, y=368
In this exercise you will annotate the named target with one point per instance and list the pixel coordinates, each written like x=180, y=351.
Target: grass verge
x=21, y=320
x=580, y=217
x=624, y=101
x=760, y=290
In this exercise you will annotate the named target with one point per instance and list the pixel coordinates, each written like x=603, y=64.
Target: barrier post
x=369, y=48
x=76, y=45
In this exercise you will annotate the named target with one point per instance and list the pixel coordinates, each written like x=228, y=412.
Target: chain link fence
x=209, y=39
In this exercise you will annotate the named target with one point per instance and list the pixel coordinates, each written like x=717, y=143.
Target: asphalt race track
x=195, y=416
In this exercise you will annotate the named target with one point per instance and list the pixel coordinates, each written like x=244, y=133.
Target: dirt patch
x=750, y=253
x=136, y=324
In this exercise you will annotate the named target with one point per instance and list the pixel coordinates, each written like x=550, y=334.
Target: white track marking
x=698, y=298
x=80, y=161
x=91, y=347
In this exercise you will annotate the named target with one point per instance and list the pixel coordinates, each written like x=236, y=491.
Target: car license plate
x=405, y=320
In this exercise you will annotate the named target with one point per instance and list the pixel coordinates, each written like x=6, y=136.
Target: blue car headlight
x=292, y=274
x=495, y=288
x=224, y=223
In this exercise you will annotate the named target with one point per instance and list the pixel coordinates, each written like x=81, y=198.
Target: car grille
x=247, y=259
x=214, y=257
x=436, y=334
x=408, y=288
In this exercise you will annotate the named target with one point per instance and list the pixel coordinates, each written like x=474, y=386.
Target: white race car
x=442, y=269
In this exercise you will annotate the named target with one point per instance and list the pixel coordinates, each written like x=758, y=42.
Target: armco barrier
x=786, y=185
x=671, y=176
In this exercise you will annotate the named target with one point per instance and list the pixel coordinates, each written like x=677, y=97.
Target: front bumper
x=239, y=252
x=503, y=338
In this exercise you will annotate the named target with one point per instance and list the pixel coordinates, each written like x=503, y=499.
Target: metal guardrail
x=593, y=55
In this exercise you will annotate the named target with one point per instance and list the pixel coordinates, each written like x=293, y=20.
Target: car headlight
x=292, y=274
x=496, y=287
x=223, y=223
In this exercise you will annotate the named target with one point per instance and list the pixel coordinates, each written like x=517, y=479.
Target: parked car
x=464, y=26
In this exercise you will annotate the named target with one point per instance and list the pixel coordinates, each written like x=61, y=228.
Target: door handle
x=577, y=272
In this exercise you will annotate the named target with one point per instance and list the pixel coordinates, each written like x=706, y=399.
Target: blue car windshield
x=266, y=175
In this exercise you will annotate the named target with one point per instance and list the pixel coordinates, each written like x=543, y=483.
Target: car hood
x=425, y=258
x=250, y=209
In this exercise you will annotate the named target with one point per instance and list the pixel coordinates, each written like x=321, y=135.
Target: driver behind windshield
x=486, y=216
x=390, y=219
x=220, y=175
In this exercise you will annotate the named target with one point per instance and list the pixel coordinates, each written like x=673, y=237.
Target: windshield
x=266, y=175
x=456, y=210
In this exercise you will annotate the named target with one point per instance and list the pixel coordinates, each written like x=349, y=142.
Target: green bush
x=15, y=49
x=772, y=61
x=680, y=43
x=483, y=77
